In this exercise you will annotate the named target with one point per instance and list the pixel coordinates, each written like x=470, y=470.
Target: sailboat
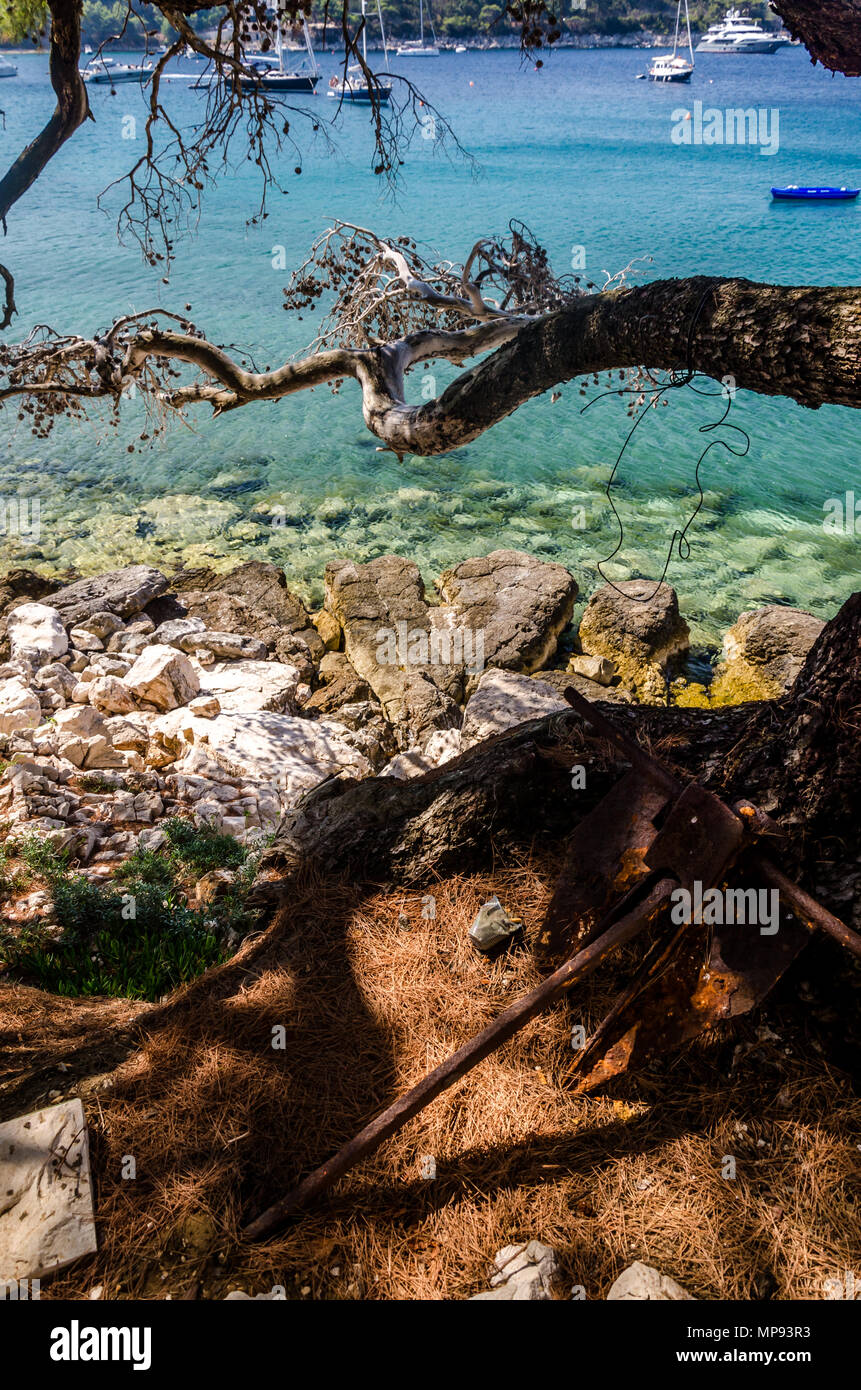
x=274, y=77
x=417, y=48
x=672, y=67
x=354, y=86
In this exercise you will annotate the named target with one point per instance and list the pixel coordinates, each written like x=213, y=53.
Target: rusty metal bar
x=515, y=1017
x=805, y=908
x=642, y=761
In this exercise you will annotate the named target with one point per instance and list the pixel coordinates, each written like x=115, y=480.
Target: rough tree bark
x=797, y=341
x=829, y=29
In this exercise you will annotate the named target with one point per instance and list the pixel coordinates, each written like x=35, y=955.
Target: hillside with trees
x=453, y=19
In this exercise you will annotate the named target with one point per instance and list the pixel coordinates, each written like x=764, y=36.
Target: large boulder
x=82, y=737
x=19, y=707
x=254, y=599
x=515, y=605
x=121, y=592
x=504, y=699
x=389, y=640
x=229, y=646
x=110, y=695
x=163, y=676
x=763, y=653
x=36, y=634
x=639, y=628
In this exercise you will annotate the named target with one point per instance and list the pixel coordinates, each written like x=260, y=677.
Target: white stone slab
x=46, y=1198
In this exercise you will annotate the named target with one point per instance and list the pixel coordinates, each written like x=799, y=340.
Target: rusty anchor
x=649, y=837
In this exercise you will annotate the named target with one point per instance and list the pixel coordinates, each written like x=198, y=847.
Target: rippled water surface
x=582, y=153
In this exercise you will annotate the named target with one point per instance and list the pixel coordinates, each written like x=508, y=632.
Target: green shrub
x=200, y=846
x=141, y=943
x=135, y=936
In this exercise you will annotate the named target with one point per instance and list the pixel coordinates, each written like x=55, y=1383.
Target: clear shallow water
x=582, y=153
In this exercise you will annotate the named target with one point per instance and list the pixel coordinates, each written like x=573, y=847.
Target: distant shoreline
x=473, y=44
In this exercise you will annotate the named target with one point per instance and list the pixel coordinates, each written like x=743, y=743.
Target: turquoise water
x=582, y=153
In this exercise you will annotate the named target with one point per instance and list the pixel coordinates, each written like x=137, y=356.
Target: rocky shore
x=130, y=698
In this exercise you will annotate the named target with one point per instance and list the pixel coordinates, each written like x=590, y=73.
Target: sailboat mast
x=688, y=22
x=678, y=17
x=279, y=47
x=383, y=34
x=312, y=60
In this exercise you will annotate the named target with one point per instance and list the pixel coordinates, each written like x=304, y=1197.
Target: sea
x=588, y=157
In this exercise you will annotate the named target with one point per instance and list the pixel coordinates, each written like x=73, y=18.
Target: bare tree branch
x=395, y=309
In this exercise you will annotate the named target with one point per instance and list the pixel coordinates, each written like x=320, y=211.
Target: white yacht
x=674, y=67
x=739, y=34
x=417, y=48
x=110, y=72
x=7, y=69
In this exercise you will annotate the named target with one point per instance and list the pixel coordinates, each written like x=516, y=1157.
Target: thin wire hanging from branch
x=679, y=380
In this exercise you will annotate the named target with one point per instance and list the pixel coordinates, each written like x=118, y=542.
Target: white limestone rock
x=36, y=634
x=19, y=707
x=412, y=763
x=46, y=1200
x=443, y=745
x=244, y=686
x=110, y=695
x=164, y=677
x=230, y=646
x=503, y=700
x=593, y=668
x=85, y=641
x=642, y=1284
x=521, y=1274
x=289, y=754
x=205, y=706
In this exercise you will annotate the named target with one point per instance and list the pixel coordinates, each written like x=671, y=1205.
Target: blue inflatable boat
x=815, y=194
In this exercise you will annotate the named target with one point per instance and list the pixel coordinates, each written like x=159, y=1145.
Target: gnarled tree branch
x=797, y=341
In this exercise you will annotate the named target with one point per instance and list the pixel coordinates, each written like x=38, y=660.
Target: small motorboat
x=7, y=69
x=822, y=195
x=108, y=70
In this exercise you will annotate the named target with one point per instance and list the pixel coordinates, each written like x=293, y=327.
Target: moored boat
x=110, y=72
x=417, y=48
x=673, y=67
x=354, y=86
x=738, y=33
x=797, y=192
